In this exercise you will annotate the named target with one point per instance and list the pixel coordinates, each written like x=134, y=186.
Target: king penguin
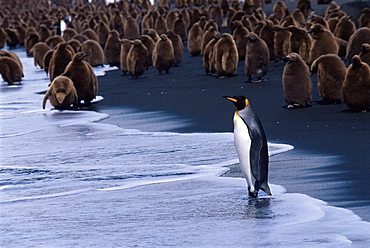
x=251, y=146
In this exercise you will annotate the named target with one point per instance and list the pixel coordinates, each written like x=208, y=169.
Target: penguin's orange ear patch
x=231, y=99
x=246, y=102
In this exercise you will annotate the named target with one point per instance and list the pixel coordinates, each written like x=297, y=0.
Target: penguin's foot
x=253, y=194
x=259, y=80
x=294, y=106
x=256, y=80
x=352, y=111
x=250, y=80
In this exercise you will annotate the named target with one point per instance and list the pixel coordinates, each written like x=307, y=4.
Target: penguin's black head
x=356, y=62
x=239, y=101
x=365, y=48
x=78, y=57
x=316, y=29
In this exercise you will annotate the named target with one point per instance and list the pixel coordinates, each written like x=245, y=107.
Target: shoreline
x=330, y=159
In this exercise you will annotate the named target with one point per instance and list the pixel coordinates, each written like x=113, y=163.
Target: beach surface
x=330, y=160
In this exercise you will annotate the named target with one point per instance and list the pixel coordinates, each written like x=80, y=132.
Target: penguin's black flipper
x=255, y=156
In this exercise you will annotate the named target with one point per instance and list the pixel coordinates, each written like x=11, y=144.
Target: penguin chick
x=300, y=42
x=207, y=36
x=75, y=44
x=324, y=42
x=54, y=40
x=171, y=18
x=179, y=27
x=150, y=44
x=46, y=60
x=10, y=70
x=251, y=146
x=361, y=36
x=61, y=93
x=160, y=25
x=267, y=34
x=116, y=23
x=102, y=30
x=304, y=6
x=240, y=41
x=364, y=20
x=12, y=38
x=195, y=40
x=226, y=56
x=296, y=81
x=257, y=58
x=83, y=77
x=59, y=60
x=178, y=47
x=163, y=54
x=365, y=53
x=95, y=51
x=279, y=9
x=69, y=33
x=44, y=32
x=13, y=56
x=152, y=33
x=343, y=30
x=125, y=48
x=356, y=86
x=216, y=14
x=330, y=71
x=137, y=59
x=147, y=21
x=131, y=28
x=3, y=37
x=208, y=55
x=112, y=49
x=281, y=41
x=30, y=41
x=38, y=51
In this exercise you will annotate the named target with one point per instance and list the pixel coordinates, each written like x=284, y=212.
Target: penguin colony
x=137, y=36
x=224, y=33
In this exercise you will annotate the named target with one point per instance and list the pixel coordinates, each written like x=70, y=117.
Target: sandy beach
x=331, y=156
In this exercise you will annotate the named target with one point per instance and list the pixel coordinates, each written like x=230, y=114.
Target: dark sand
x=331, y=156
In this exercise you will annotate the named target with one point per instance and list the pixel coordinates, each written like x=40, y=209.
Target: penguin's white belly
x=243, y=144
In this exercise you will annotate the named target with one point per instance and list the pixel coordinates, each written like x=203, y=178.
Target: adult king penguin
x=251, y=146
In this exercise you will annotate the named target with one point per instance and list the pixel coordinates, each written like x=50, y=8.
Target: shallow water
x=67, y=180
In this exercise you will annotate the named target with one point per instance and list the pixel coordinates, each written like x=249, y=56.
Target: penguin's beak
x=285, y=59
x=230, y=98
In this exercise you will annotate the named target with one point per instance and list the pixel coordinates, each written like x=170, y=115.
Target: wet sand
x=331, y=156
